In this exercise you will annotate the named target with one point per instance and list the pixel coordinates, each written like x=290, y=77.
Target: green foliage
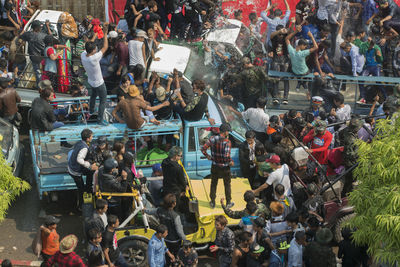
x=10, y=186
x=377, y=197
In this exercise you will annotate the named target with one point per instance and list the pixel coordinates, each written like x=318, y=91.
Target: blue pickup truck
x=50, y=159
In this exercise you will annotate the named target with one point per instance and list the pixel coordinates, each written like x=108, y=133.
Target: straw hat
x=68, y=244
x=133, y=91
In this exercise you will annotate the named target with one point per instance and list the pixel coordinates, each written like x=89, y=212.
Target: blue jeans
x=102, y=92
x=121, y=262
x=369, y=70
x=36, y=70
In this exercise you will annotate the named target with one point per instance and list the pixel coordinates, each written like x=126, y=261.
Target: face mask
x=115, y=172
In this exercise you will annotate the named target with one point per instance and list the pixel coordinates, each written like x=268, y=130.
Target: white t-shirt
x=92, y=68
x=104, y=219
x=280, y=176
x=135, y=53
x=258, y=119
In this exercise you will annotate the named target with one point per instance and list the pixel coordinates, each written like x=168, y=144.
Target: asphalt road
x=26, y=215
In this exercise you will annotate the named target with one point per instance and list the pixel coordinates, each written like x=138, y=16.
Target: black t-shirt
x=36, y=44
x=120, y=92
x=110, y=241
x=163, y=113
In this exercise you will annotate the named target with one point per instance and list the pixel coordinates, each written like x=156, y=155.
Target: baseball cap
x=320, y=126
x=110, y=164
x=50, y=220
x=317, y=100
x=160, y=93
x=274, y=159
x=157, y=167
x=133, y=91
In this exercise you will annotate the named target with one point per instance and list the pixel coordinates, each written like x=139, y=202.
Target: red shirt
x=319, y=145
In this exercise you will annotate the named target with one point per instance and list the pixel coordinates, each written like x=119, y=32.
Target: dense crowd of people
x=283, y=223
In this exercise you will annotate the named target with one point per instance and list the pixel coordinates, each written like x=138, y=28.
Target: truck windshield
x=196, y=69
x=5, y=137
x=237, y=123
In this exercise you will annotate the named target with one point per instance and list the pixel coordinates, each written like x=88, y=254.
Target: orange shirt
x=50, y=243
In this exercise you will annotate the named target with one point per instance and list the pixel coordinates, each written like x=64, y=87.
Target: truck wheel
x=340, y=225
x=134, y=252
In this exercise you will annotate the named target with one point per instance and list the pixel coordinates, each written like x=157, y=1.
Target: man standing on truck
x=220, y=146
x=35, y=39
x=79, y=165
x=91, y=62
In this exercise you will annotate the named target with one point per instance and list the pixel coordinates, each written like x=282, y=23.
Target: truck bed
x=54, y=158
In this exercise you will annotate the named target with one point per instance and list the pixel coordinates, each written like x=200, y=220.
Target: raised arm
x=292, y=34
x=105, y=39
x=315, y=45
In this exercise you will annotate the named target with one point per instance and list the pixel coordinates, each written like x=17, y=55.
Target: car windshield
x=237, y=123
x=5, y=137
x=196, y=69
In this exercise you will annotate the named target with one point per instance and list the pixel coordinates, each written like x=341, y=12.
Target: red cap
x=274, y=159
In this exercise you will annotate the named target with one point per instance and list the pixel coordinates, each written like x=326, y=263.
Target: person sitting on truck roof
x=78, y=164
x=43, y=114
x=197, y=108
x=132, y=110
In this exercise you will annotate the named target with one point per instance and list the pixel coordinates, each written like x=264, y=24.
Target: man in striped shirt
x=220, y=146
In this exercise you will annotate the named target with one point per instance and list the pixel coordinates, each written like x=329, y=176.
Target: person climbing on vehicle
x=262, y=210
x=78, y=165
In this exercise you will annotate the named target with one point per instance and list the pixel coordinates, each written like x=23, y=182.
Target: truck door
x=189, y=155
x=203, y=165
